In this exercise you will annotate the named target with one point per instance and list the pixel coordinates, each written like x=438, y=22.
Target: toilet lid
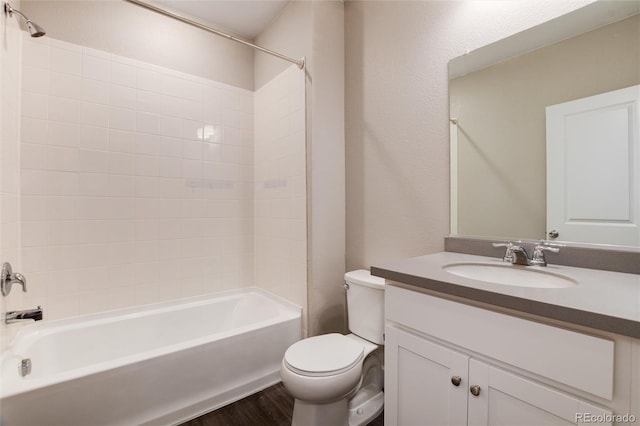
x=324, y=355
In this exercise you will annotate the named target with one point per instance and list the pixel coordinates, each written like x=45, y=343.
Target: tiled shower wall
x=280, y=192
x=10, y=35
x=137, y=181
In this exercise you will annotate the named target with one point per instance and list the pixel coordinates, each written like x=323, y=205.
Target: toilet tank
x=365, y=305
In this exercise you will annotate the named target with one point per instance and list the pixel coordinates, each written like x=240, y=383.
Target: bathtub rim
x=288, y=311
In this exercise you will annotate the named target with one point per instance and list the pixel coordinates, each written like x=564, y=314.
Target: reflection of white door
x=593, y=168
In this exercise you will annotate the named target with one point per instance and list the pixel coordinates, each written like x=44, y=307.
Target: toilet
x=338, y=379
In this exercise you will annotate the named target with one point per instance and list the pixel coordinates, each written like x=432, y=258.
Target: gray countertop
x=603, y=300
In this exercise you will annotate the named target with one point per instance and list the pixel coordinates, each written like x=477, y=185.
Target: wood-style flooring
x=270, y=407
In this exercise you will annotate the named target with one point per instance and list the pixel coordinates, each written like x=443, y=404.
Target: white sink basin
x=507, y=274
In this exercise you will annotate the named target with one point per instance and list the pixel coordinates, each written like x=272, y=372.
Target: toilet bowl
x=338, y=379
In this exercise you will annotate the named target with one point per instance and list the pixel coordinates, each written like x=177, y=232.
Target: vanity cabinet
x=418, y=381
x=430, y=384
x=448, y=363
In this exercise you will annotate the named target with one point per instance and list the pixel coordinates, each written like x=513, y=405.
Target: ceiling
x=246, y=18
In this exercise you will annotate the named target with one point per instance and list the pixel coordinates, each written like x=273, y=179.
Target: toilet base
x=314, y=414
x=368, y=408
x=338, y=413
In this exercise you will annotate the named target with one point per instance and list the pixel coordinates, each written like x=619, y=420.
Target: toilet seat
x=324, y=355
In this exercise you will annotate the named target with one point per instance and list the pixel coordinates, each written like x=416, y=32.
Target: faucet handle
x=538, y=253
x=508, y=254
x=8, y=278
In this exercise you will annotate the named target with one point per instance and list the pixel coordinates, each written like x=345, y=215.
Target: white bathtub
x=156, y=364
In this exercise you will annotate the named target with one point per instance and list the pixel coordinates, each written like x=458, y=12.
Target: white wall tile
x=34, y=130
x=213, y=152
x=35, y=79
x=170, y=167
x=33, y=157
x=66, y=61
x=121, y=164
x=95, y=68
x=123, y=75
x=169, y=147
x=35, y=105
x=192, y=110
x=170, y=126
x=192, y=169
x=146, y=165
x=148, y=123
x=61, y=183
x=147, y=144
x=191, y=91
x=93, y=161
x=95, y=91
x=146, y=187
x=34, y=234
x=62, y=158
x=61, y=208
x=66, y=85
x=94, y=138
x=122, y=119
x=150, y=81
x=64, y=109
x=93, y=184
x=192, y=150
x=119, y=230
x=33, y=207
x=146, y=230
x=123, y=96
x=193, y=130
x=92, y=114
x=121, y=186
x=150, y=102
x=122, y=141
x=35, y=54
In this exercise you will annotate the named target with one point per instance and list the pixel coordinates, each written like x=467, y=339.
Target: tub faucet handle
x=8, y=278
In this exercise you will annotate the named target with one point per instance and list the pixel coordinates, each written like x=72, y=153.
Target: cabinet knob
x=475, y=390
x=456, y=380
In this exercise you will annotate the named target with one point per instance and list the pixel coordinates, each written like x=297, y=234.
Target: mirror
x=498, y=100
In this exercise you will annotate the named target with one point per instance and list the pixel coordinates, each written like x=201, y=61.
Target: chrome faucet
x=520, y=256
x=21, y=316
x=517, y=255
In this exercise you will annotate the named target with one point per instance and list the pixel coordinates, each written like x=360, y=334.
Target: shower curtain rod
x=298, y=62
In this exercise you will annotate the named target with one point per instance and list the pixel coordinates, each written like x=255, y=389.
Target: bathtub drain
x=25, y=367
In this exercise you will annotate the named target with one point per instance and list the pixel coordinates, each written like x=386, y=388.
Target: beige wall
x=316, y=30
x=501, y=124
x=290, y=34
x=128, y=30
x=397, y=129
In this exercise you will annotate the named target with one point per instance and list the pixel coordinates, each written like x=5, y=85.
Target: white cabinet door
x=511, y=400
x=419, y=382
x=593, y=168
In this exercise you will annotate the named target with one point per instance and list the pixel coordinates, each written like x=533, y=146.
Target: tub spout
x=26, y=315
